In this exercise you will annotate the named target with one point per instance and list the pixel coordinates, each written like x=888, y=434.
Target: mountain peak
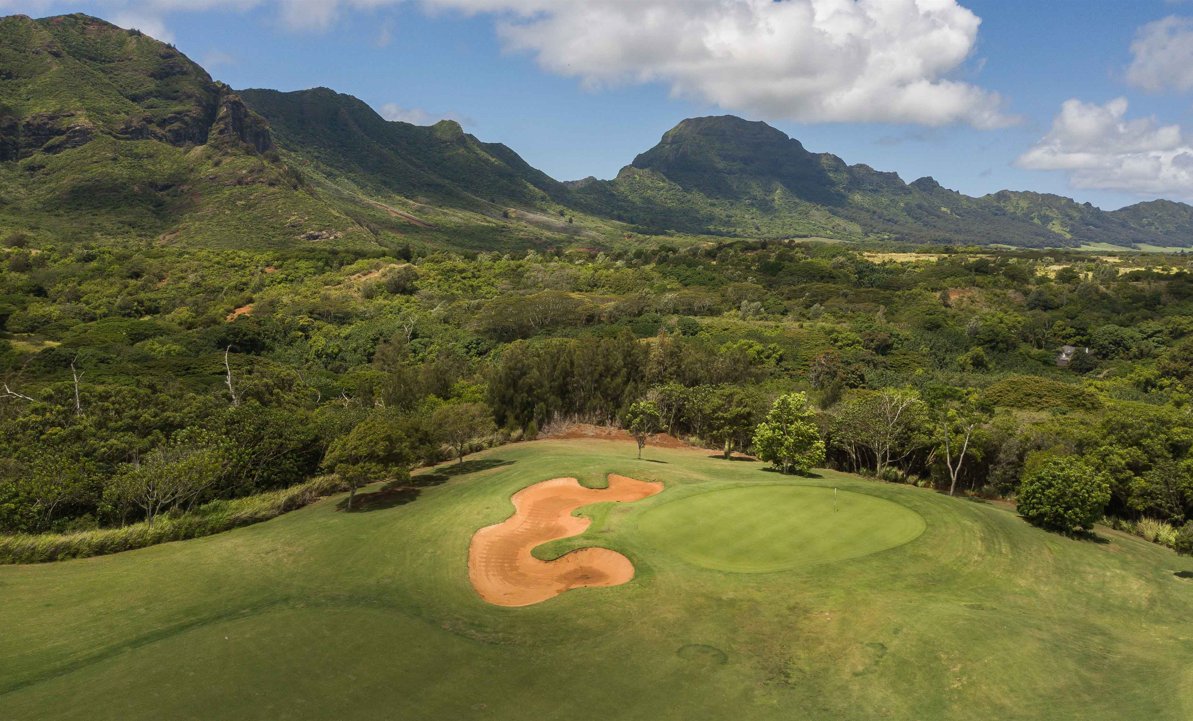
x=728, y=157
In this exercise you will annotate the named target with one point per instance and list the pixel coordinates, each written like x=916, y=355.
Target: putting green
x=762, y=529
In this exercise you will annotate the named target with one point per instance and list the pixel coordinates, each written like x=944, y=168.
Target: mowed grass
x=772, y=528
x=323, y=614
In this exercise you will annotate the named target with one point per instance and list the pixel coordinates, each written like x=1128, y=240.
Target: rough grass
x=213, y=517
x=326, y=614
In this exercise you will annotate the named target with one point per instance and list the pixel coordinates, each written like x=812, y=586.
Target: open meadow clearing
x=749, y=600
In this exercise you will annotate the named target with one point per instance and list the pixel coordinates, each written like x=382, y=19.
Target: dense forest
x=238, y=373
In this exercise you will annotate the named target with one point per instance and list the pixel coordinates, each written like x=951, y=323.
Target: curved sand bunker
x=504, y=572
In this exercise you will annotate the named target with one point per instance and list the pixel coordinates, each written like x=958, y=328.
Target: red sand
x=500, y=564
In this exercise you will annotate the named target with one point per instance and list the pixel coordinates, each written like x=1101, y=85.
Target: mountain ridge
x=108, y=133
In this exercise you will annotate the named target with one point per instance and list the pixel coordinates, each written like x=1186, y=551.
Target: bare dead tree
x=77, y=377
x=228, y=378
x=13, y=394
x=408, y=324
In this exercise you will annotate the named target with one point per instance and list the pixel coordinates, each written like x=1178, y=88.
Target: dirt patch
x=242, y=310
x=575, y=431
x=954, y=295
x=505, y=573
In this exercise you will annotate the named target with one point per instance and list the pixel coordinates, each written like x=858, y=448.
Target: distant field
x=888, y=602
x=1164, y=248
x=1139, y=247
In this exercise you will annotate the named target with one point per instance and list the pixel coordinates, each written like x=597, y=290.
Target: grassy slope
x=323, y=614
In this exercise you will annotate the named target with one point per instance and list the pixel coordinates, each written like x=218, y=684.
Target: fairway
x=902, y=604
x=773, y=528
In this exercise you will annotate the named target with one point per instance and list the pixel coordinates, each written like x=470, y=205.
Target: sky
x=1092, y=99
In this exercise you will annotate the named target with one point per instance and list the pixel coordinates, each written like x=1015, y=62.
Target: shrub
x=1155, y=531
x=208, y=519
x=1063, y=494
x=1183, y=542
x=1036, y=393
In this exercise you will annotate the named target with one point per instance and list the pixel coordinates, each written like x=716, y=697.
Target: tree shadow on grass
x=1187, y=575
x=809, y=474
x=653, y=460
x=399, y=493
x=390, y=495
x=1092, y=537
x=735, y=457
x=443, y=474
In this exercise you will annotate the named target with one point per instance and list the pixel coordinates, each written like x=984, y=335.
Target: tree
x=458, y=424
x=641, y=420
x=955, y=427
x=729, y=416
x=887, y=426
x=1063, y=494
x=375, y=449
x=789, y=437
x=168, y=477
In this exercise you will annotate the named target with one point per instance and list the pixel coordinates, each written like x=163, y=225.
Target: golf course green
x=752, y=598
x=773, y=528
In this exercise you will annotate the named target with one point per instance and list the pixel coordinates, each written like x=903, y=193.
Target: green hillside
x=107, y=134
x=327, y=614
x=110, y=134
x=346, y=138
x=728, y=176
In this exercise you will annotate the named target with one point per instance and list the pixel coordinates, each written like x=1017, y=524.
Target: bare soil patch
x=575, y=431
x=505, y=573
x=242, y=310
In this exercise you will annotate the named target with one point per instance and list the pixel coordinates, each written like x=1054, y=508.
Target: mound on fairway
x=500, y=563
x=762, y=529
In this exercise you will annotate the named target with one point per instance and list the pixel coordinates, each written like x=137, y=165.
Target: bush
x=1160, y=532
x=1036, y=393
x=208, y=519
x=1183, y=543
x=1064, y=495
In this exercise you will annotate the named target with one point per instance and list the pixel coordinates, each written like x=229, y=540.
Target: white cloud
x=414, y=116
x=1163, y=55
x=150, y=24
x=803, y=60
x=1098, y=147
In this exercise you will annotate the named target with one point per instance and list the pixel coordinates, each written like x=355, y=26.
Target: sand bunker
x=500, y=564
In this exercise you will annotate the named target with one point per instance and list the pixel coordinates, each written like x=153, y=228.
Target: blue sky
x=578, y=88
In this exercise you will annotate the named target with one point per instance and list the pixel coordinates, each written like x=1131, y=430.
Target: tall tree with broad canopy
x=886, y=425
x=376, y=449
x=458, y=424
x=729, y=416
x=642, y=419
x=170, y=476
x=789, y=437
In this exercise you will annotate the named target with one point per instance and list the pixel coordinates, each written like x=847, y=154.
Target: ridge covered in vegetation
x=108, y=134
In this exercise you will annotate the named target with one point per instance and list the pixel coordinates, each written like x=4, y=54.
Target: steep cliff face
x=108, y=133
x=72, y=78
x=235, y=124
